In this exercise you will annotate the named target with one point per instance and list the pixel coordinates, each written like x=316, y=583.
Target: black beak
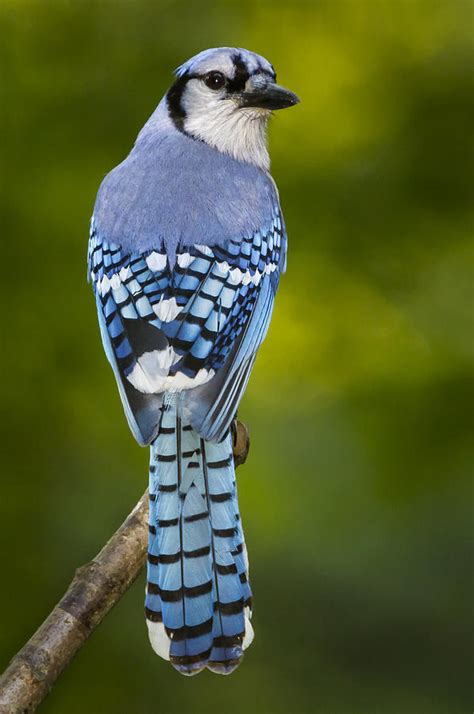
x=270, y=97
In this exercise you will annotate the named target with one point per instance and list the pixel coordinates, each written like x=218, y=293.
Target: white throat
x=241, y=133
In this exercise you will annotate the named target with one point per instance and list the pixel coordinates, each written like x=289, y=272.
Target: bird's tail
x=198, y=596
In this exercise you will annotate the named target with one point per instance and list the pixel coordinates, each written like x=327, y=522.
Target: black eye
x=214, y=80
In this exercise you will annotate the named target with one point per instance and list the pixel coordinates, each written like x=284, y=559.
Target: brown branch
x=94, y=590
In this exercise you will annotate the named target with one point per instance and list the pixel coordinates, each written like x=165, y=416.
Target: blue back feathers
x=176, y=191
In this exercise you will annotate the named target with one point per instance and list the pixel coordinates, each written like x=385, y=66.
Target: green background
x=356, y=498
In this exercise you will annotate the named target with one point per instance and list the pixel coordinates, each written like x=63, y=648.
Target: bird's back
x=174, y=191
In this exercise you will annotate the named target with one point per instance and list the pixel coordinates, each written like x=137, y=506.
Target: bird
x=186, y=247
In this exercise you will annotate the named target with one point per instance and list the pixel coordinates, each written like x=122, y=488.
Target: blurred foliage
x=356, y=497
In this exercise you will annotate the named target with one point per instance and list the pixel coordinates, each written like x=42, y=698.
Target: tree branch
x=94, y=590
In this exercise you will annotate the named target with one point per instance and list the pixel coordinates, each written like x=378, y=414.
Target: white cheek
x=222, y=124
x=199, y=101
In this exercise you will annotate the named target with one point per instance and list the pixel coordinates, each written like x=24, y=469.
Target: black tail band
x=191, y=631
x=177, y=595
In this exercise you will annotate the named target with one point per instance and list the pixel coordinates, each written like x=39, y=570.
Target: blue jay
x=186, y=249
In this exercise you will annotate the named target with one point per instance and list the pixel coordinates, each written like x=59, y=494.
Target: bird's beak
x=271, y=96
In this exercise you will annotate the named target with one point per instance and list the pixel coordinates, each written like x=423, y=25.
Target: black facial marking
x=262, y=70
x=173, y=99
x=237, y=84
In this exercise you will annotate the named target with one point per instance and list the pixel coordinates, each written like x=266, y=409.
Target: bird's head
x=224, y=97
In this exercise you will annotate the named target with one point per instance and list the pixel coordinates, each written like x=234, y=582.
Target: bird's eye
x=214, y=80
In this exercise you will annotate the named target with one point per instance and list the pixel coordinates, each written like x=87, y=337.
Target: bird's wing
x=194, y=326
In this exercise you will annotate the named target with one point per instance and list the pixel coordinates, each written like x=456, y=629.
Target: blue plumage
x=197, y=579
x=186, y=249
x=204, y=322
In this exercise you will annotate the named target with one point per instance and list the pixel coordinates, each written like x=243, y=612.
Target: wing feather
x=194, y=326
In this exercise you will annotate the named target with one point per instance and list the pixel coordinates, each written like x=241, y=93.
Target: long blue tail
x=198, y=596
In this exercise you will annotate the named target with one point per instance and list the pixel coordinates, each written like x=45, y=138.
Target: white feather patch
x=103, y=286
x=245, y=556
x=159, y=640
x=156, y=261
x=249, y=633
x=151, y=370
x=235, y=276
x=167, y=310
x=224, y=267
x=246, y=278
x=125, y=273
x=150, y=374
x=256, y=277
x=182, y=381
x=115, y=281
x=184, y=259
x=204, y=249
